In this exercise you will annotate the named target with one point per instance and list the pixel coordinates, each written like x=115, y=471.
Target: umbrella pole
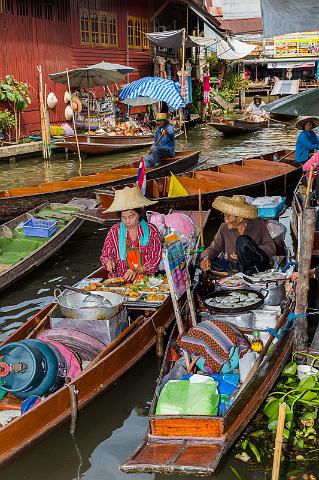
x=183, y=75
x=74, y=126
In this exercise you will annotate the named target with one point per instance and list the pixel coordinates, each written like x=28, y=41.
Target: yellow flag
x=176, y=189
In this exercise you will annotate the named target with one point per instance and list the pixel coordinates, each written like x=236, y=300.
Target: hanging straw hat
x=68, y=112
x=128, y=198
x=161, y=117
x=52, y=100
x=76, y=104
x=235, y=205
x=301, y=123
x=67, y=97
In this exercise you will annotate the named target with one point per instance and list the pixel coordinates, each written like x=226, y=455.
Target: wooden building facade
x=60, y=34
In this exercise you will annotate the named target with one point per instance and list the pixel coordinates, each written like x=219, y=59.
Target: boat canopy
x=304, y=103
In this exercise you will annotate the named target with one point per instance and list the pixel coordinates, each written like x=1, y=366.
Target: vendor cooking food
x=132, y=247
x=242, y=243
x=164, y=142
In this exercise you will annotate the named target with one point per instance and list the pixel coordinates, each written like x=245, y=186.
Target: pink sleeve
x=314, y=160
x=109, y=247
x=153, y=252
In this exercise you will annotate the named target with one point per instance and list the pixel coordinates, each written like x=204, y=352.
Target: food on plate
x=132, y=295
x=116, y=281
x=114, y=290
x=149, y=289
x=234, y=299
x=155, y=297
x=164, y=288
x=91, y=287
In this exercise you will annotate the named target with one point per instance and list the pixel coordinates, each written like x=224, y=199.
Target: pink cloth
x=314, y=160
x=74, y=368
x=180, y=222
x=206, y=87
x=151, y=254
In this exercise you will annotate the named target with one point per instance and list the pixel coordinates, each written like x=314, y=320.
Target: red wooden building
x=60, y=34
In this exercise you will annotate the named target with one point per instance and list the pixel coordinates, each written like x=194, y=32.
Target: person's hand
x=110, y=265
x=233, y=256
x=205, y=264
x=129, y=275
x=294, y=276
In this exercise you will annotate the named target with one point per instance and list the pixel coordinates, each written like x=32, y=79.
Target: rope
x=289, y=325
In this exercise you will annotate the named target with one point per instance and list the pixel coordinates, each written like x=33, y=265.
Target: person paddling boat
x=132, y=247
x=242, y=243
x=307, y=140
x=164, y=142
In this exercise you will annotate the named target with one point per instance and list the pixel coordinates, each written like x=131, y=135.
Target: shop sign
x=289, y=65
x=304, y=44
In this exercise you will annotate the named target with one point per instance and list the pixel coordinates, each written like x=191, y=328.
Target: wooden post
x=306, y=240
x=278, y=442
x=74, y=126
x=200, y=218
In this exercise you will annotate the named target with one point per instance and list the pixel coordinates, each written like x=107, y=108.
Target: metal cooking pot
x=276, y=293
x=84, y=307
x=234, y=310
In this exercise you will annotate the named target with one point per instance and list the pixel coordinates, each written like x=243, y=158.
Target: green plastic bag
x=181, y=397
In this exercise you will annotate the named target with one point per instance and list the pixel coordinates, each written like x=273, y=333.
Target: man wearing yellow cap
x=164, y=142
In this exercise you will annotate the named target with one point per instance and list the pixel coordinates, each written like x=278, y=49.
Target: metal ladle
x=102, y=299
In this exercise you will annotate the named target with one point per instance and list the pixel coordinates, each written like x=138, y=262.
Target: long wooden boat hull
x=105, y=144
x=236, y=127
x=45, y=251
x=12, y=206
x=55, y=409
x=259, y=181
x=195, y=445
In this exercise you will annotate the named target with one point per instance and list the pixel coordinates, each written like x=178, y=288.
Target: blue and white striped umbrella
x=151, y=90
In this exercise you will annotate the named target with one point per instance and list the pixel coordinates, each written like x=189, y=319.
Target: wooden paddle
x=42, y=322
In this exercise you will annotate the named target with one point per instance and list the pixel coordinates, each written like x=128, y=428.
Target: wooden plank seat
x=228, y=180
x=266, y=165
x=23, y=191
x=247, y=172
x=192, y=185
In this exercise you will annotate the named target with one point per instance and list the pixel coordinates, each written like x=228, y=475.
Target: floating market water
x=112, y=426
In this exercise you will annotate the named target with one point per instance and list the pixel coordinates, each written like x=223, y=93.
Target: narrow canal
x=111, y=427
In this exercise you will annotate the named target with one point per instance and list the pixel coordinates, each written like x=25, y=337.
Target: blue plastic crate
x=271, y=212
x=39, y=227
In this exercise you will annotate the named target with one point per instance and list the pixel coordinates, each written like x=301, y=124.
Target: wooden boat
x=195, y=445
x=296, y=218
x=40, y=249
x=253, y=176
x=236, y=127
x=112, y=362
x=105, y=144
x=17, y=201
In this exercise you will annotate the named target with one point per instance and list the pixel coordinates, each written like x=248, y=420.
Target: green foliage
x=213, y=61
x=15, y=93
x=7, y=121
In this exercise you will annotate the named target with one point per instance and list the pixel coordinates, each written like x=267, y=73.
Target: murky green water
x=111, y=427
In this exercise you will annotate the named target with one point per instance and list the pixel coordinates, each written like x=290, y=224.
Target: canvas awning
x=289, y=16
x=286, y=87
x=228, y=48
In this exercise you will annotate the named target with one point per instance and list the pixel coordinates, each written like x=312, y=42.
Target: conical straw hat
x=128, y=198
x=302, y=120
x=76, y=104
x=235, y=205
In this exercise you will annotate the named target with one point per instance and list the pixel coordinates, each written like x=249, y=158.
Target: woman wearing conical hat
x=307, y=141
x=242, y=243
x=132, y=247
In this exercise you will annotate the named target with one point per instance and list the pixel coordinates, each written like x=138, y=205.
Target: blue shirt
x=306, y=142
x=167, y=141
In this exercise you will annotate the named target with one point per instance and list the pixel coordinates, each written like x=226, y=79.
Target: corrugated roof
x=243, y=25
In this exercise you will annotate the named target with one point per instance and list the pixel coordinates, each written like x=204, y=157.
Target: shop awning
x=228, y=48
x=289, y=16
x=304, y=103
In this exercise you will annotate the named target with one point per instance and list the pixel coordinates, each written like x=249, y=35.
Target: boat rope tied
x=289, y=325
x=74, y=407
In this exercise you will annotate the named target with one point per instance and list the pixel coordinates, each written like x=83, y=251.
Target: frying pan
x=254, y=306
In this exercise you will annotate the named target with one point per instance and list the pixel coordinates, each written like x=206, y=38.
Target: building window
x=136, y=29
x=98, y=29
x=85, y=28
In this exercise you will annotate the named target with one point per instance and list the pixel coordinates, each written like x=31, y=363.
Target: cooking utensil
x=232, y=310
x=103, y=300
x=71, y=305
